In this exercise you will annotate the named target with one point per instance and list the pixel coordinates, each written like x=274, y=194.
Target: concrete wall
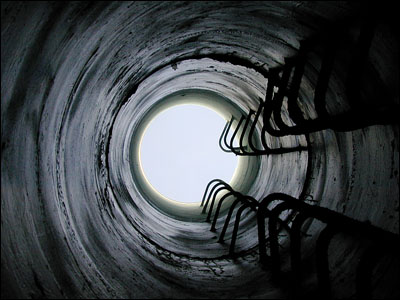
x=75, y=80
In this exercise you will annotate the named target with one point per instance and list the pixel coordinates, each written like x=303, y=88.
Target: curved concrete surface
x=77, y=79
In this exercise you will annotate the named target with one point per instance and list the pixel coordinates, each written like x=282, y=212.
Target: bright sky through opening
x=179, y=152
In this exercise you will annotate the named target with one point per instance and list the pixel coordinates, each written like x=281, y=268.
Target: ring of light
x=244, y=175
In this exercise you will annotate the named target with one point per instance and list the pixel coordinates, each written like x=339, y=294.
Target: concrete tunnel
x=79, y=81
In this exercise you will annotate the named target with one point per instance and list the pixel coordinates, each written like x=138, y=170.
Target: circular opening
x=180, y=154
x=220, y=107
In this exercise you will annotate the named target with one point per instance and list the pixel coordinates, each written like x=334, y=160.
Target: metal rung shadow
x=382, y=242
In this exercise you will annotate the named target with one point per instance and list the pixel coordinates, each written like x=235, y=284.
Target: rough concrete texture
x=76, y=77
